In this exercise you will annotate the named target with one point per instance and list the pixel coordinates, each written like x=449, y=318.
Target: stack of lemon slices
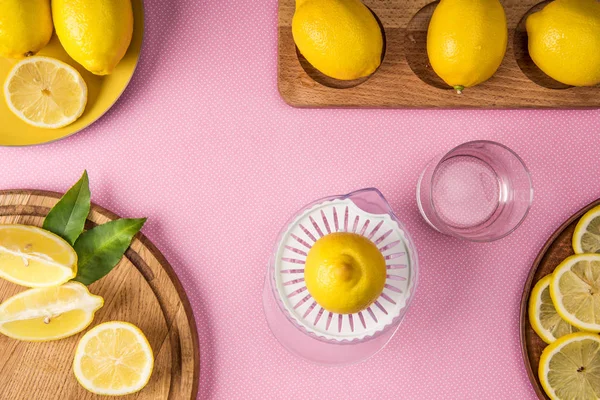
x=564, y=310
x=113, y=358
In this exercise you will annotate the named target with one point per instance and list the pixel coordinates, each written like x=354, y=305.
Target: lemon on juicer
x=340, y=38
x=466, y=41
x=344, y=272
x=25, y=27
x=95, y=33
x=564, y=41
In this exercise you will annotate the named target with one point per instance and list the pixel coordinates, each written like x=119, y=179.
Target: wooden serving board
x=556, y=249
x=405, y=79
x=143, y=289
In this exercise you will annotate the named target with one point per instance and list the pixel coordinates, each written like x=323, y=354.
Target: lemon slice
x=586, y=238
x=44, y=314
x=33, y=257
x=113, y=358
x=570, y=367
x=544, y=319
x=575, y=291
x=45, y=92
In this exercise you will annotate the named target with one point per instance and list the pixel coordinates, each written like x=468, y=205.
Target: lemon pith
x=51, y=313
x=543, y=317
x=344, y=272
x=466, y=41
x=94, y=33
x=45, y=92
x=113, y=358
x=564, y=41
x=575, y=291
x=340, y=38
x=569, y=367
x=586, y=238
x=25, y=27
x=33, y=257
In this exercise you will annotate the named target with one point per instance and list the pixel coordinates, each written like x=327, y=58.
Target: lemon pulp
x=344, y=272
x=51, y=313
x=586, y=238
x=45, y=92
x=31, y=256
x=569, y=368
x=544, y=318
x=575, y=291
x=113, y=358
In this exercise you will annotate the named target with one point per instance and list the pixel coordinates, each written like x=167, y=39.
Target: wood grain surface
x=143, y=289
x=405, y=79
x=556, y=249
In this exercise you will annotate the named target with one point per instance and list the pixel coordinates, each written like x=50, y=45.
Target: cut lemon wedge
x=575, y=291
x=570, y=367
x=44, y=314
x=45, y=92
x=544, y=319
x=34, y=257
x=586, y=238
x=113, y=358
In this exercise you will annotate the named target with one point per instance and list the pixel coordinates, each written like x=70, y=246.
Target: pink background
x=203, y=145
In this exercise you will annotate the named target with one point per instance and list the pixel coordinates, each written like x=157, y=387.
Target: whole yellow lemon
x=340, y=38
x=564, y=41
x=95, y=33
x=25, y=27
x=466, y=41
x=344, y=272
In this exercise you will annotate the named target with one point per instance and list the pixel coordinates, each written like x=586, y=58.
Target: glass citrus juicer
x=341, y=278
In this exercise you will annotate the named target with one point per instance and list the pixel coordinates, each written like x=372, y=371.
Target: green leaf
x=100, y=249
x=67, y=217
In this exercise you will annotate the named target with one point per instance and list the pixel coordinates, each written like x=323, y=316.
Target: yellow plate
x=103, y=91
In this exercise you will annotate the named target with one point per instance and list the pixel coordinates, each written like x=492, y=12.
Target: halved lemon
x=570, y=367
x=586, y=238
x=44, y=314
x=344, y=272
x=544, y=319
x=575, y=291
x=113, y=358
x=33, y=257
x=45, y=92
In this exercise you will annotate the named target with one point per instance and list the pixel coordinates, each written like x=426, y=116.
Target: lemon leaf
x=67, y=218
x=100, y=249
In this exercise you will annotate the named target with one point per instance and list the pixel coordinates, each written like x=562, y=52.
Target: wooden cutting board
x=143, y=289
x=405, y=79
x=557, y=248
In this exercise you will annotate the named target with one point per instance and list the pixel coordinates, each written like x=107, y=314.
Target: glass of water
x=479, y=191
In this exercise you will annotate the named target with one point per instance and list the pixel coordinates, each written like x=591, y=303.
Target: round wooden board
x=143, y=289
x=556, y=249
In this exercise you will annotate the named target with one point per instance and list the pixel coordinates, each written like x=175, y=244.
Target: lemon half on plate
x=586, y=238
x=45, y=92
x=575, y=291
x=544, y=319
x=570, y=367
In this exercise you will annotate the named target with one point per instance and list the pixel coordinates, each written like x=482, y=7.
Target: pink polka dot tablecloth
x=203, y=145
